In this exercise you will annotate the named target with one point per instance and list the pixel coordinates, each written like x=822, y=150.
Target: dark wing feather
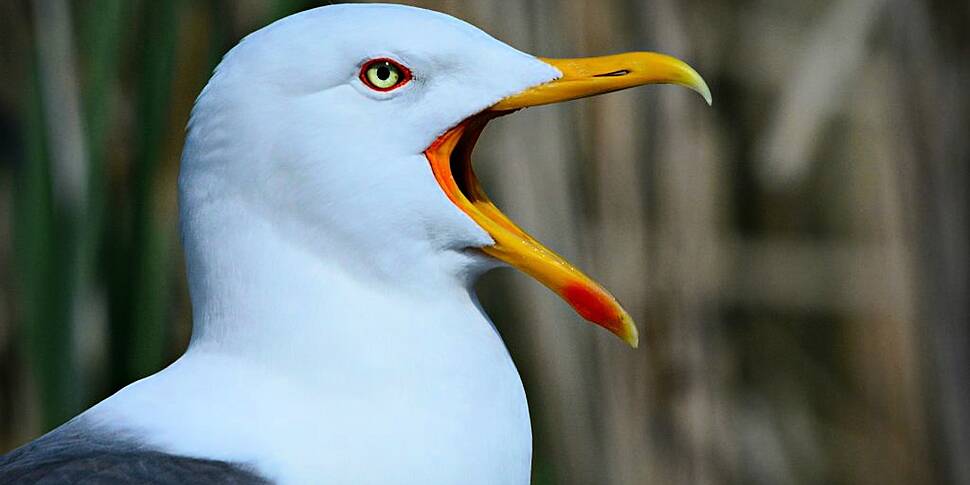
x=72, y=455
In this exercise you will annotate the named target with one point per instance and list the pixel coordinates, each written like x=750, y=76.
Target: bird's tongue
x=450, y=158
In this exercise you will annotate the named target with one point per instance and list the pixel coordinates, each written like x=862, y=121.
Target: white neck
x=304, y=370
x=259, y=284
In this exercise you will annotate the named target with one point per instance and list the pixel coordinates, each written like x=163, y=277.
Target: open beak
x=450, y=158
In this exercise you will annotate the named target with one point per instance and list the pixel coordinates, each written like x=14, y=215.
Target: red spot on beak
x=592, y=305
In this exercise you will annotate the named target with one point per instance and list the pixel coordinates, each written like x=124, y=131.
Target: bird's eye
x=384, y=74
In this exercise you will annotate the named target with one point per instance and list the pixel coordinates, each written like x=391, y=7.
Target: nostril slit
x=621, y=72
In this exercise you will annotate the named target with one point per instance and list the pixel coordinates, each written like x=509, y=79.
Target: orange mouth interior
x=450, y=159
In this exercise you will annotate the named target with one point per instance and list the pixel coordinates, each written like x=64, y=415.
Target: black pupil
x=383, y=72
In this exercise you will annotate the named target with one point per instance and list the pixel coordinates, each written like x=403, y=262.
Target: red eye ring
x=392, y=71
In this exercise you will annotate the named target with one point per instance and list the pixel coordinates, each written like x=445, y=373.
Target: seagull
x=333, y=229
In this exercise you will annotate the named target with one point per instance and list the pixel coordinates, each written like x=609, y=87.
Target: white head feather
x=336, y=337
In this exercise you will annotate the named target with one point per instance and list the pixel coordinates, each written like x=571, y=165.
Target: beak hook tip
x=705, y=91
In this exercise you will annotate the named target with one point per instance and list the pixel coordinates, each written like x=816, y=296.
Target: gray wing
x=74, y=455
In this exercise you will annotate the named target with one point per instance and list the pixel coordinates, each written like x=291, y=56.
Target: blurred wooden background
x=795, y=256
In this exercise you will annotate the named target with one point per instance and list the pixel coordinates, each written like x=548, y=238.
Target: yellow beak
x=590, y=76
x=450, y=158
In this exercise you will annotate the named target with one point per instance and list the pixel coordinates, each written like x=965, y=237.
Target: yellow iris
x=383, y=75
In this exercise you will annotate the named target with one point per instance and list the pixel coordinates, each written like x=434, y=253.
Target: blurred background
x=795, y=256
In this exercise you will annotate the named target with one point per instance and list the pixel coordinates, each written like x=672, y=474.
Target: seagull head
x=351, y=129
